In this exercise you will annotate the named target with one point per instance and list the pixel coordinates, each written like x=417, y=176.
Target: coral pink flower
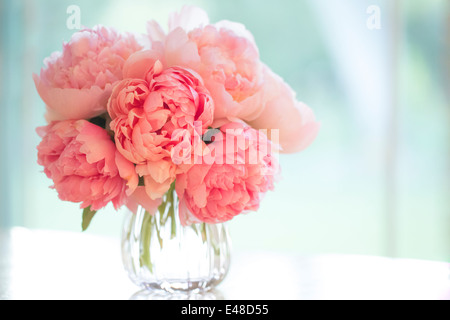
x=216, y=191
x=82, y=161
x=77, y=82
x=146, y=111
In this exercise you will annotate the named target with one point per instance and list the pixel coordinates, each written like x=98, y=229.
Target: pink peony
x=226, y=57
x=216, y=191
x=230, y=66
x=294, y=120
x=224, y=54
x=146, y=111
x=82, y=161
x=77, y=82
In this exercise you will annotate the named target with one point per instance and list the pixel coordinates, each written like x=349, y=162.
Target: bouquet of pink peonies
x=191, y=111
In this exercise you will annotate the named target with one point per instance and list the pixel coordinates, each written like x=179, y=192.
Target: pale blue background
x=377, y=179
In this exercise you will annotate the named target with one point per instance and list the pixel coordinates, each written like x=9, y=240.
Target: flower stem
x=146, y=236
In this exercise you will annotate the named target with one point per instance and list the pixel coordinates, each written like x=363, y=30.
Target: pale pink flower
x=189, y=18
x=224, y=54
x=230, y=66
x=146, y=111
x=295, y=121
x=82, y=161
x=226, y=57
x=77, y=82
x=217, y=191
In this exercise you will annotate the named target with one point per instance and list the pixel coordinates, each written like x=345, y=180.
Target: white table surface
x=53, y=265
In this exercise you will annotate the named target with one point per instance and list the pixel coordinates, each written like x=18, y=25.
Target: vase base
x=181, y=286
x=150, y=294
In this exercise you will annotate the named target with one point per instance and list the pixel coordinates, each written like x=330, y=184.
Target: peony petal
x=95, y=143
x=160, y=171
x=200, y=195
x=156, y=190
x=139, y=63
x=180, y=51
x=72, y=104
x=252, y=107
x=186, y=218
x=218, y=192
x=80, y=158
x=224, y=106
x=155, y=32
x=77, y=82
x=189, y=18
x=140, y=197
x=294, y=120
x=127, y=171
x=238, y=28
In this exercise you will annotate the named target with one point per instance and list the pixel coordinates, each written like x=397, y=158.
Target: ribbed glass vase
x=160, y=254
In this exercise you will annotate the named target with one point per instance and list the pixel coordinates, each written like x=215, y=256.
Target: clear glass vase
x=160, y=254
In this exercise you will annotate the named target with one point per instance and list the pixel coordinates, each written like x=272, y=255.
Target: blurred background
x=375, y=182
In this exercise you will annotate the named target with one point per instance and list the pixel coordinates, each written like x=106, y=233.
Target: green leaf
x=99, y=121
x=88, y=214
x=209, y=136
x=141, y=182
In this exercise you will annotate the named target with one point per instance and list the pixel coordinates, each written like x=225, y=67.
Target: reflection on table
x=56, y=265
